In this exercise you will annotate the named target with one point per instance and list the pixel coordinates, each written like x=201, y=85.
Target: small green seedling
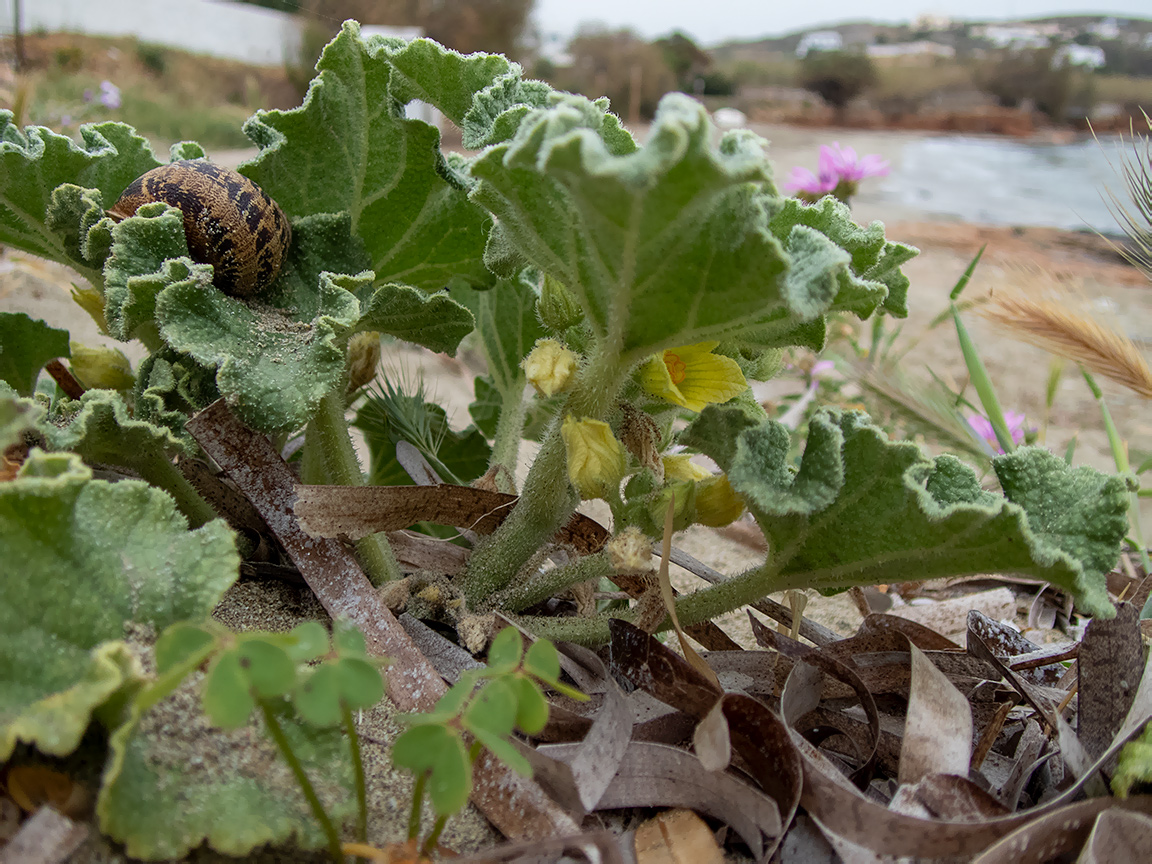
x=479, y=712
x=325, y=682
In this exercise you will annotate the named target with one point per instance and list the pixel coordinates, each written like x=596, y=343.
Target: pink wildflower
x=838, y=171
x=982, y=426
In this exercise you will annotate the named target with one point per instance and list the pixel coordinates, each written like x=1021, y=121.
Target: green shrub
x=837, y=76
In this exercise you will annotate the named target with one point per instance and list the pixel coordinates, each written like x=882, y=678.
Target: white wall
x=232, y=30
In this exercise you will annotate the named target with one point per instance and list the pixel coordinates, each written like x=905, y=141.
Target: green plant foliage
x=862, y=509
x=1134, y=764
x=349, y=149
x=102, y=430
x=91, y=557
x=507, y=325
x=170, y=388
x=162, y=797
x=33, y=163
x=27, y=346
x=625, y=233
x=17, y=416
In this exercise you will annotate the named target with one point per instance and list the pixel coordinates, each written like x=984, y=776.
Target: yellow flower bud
x=557, y=308
x=595, y=457
x=717, y=503
x=679, y=466
x=363, y=358
x=549, y=367
x=92, y=302
x=101, y=368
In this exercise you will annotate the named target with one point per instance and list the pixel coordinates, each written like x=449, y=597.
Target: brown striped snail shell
x=229, y=221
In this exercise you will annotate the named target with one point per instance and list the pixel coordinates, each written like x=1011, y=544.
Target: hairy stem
x=551, y=582
x=358, y=772
x=281, y=740
x=159, y=471
x=327, y=437
x=591, y=632
x=548, y=499
x=506, y=445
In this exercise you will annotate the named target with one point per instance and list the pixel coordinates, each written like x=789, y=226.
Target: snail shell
x=229, y=221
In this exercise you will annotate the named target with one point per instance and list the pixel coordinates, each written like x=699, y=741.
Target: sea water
x=998, y=181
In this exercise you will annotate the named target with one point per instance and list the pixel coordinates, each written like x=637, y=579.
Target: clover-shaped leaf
x=531, y=706
x=180, y=642
x=307, y=641
x=505, y=650
x=543, y=661
x=386, y=171
x=493, y=710
x=93, y=557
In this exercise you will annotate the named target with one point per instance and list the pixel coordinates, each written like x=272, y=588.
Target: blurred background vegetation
x=944, y=75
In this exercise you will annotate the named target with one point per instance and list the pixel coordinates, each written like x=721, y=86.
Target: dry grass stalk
x=1057, y=323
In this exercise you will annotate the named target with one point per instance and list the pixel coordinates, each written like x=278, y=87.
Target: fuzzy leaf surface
x=506, y=322
x=861, y=509
x=102, y=430
x=237, y=794
x=348, y=148
x=667, y=245
x=36, y=161
x=84, y=559
x=25, y=346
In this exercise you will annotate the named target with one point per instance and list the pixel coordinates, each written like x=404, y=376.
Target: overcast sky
x=711, y=21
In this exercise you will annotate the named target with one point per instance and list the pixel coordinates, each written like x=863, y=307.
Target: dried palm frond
x=1136, y=220
x=1058, y=321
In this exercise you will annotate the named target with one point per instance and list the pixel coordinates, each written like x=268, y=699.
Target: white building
x=1016, y=35
x=1109, y=28
x=923, y=48
x=1091, y=56
x=819, y=40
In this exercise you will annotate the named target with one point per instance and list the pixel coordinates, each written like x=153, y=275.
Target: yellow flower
x=101, y=368
x=679, y=466
x=595, y=457
x=717, y=503
x=692, y=376
x=549, y=367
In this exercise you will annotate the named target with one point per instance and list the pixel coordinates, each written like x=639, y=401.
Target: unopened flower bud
x=557, y=307
x=549, y=367
x=101, y=368
x=595, y=457
x=363, y=358
x=630, y=551
x=641, y=436
x=717, y=503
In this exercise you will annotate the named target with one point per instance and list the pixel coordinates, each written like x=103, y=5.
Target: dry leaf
x=1118, y=835
x=938, y=728
x=677, y=837
x=711, y=741
x=33, y=786
x=1111, y=660
x=1060, y=832
x=48, y=837
x=949, y=616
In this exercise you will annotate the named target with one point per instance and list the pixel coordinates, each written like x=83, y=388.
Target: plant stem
x=591, y=632
x=506, y=445
x=1120, y=457
x=551, y=582
x=417, y=806
x=358, y=773
x=327, y=436
x=548, y=499
x=159, y=471
x=278, y=736
x=434, y=835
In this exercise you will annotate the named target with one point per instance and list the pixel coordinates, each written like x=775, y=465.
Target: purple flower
x=822, y=369
x=982, y=426
x=836, y=165
x=109, y=95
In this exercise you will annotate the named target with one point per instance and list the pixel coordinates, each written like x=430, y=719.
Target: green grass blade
x=981, y=381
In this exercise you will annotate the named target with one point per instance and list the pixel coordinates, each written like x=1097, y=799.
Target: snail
x=229, y=221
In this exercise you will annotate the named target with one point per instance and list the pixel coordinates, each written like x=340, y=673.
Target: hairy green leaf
x=89, y=558
x=861, y=509
x=25, y=346
x=508, y=328
x=174, y=782
x=33, y=163
x=348, y=148
x=668, y=245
